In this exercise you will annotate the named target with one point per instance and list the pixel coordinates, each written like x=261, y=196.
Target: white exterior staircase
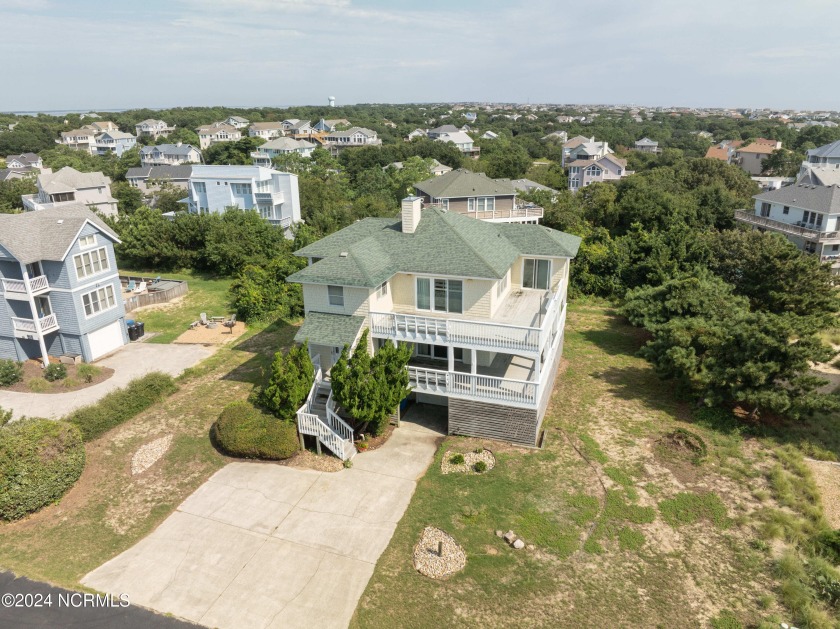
x=317, y=417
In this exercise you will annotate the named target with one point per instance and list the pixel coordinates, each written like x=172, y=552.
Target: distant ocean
x=64, y=112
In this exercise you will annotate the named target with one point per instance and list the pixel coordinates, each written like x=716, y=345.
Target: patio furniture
x=212, y=326
x=194, y=325
x=130, y=286
x=203, y=318
x=217, y=319
x=156, y=280
x=141, y=287
x=230, y=323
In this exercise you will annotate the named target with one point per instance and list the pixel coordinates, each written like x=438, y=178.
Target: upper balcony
x=523, y=324
x=273, y=198
x=16, y=289
x=26, y=328
x=520, y=213
x=808, y=231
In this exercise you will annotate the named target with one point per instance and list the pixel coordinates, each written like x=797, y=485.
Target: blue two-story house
x=61, y=293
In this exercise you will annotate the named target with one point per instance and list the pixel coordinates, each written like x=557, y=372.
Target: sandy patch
x=218, y=336
x=827, y=478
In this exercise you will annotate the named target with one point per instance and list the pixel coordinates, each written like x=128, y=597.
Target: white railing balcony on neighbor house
x=803, y=230
x=474, y=386
x=274, y=198
x=472, y=334
x=283, y=223
x=16, y=289
x=25, y=328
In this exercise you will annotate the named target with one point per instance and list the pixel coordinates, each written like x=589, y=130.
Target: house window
x=383, y=289
x=438, y=352
x=99, y=300
x=91, y=263
x=501, y=285
x=486, y=204
x=471, y=205
x=574, y=183
x=765, y=209
x=536, y=273
x=786, y=210
x=335, y=295
x=85, y=242
x=240, y=188
x=201, y=187
x=440, y=295
x=593, y=171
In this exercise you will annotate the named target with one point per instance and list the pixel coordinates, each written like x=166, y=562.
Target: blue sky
x=156, y=53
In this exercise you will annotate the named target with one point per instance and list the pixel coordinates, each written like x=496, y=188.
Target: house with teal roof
x=483, y=305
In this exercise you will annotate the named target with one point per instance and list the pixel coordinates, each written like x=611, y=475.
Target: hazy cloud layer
x=95, y=54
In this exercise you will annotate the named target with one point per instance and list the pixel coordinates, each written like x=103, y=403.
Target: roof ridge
x=444, y=215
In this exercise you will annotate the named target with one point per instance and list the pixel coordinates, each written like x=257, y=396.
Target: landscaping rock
x=428, y=562
x=149, y=454
x=509, y=537
x=470, y=459
x=499, y=533
x=518, y=544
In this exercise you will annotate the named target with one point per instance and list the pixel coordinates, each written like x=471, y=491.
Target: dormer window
x=85, y=242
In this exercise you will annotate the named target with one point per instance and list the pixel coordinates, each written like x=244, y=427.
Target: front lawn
x=630, y=525
x=207, y=294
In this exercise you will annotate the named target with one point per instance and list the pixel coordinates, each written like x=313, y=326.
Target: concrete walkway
x=129, y=363
x=267, y=546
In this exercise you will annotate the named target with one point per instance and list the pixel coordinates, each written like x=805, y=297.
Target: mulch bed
x=32, y=371
x=375, y=442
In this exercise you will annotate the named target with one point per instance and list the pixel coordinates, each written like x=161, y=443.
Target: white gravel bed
x=148, y=454
x=429, y=563
x=470, y=459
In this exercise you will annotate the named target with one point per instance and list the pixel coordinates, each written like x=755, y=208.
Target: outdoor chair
x=140, y=287
x=194, y=325
x=130, y=286
x=230, y=323
x=204, y=320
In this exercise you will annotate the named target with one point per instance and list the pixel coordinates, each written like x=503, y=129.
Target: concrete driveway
x=267, y=546
x=129, y=363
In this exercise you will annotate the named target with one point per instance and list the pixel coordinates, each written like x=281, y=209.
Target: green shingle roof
x=372, y=250
x=332, y=330
x=464, y=183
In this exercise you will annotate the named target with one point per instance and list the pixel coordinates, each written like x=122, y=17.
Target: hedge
x=40, y=459
x=245, y=431
x=122, y=404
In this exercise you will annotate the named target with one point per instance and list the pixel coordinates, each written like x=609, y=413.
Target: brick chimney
x=411, y=209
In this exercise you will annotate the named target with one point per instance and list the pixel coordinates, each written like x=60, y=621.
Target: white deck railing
x=332, y=431
x=37, y=284
x=338, y=425
x=474, y=386
x=48, y=324
x=472, y=334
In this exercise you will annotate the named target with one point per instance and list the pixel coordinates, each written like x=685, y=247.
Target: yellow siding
x=315, y=297
x=477, y=298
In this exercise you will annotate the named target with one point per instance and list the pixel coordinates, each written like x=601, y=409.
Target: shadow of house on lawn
x=277, y=336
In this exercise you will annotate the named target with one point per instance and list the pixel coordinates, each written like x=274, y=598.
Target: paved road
x=267, y=546
x=63, y=614
x=129, y=363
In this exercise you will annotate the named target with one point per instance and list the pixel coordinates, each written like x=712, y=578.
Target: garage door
x=105, y=340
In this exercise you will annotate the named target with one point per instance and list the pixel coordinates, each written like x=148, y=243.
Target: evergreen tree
x=290, y=379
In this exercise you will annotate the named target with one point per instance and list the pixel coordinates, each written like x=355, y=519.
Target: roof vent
x=60, y=221
x=343, y=254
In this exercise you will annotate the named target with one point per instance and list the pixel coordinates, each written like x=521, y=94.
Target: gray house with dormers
x=61, y=294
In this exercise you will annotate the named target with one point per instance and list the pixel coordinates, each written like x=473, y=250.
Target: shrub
x=457, y=459
x=88, y=372
x=5, y=416
x=40, y=459
x=243, y=430
x=10, y=372
x=55, y=371
x=122, y=404
x=480, y=466
x=289, y=382
x=828, y=544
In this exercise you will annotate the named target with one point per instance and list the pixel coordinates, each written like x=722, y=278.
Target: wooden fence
x=132, y=302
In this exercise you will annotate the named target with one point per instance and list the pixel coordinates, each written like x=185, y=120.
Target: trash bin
x=141, y=329
x=129, y=322
x=132, y=333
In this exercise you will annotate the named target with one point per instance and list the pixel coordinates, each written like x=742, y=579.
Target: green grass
x=590, y=449
x=206, y=294
x=690, y=508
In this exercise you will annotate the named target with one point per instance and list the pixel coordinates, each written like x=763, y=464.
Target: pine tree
x=290, y=379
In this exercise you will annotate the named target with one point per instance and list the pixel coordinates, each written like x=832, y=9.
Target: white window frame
x=241, y=188
x=99, y=259
x=536, y=265
x=333, y=298
x=383, y=289
x=104, y=295
x=87, y=242
x=431, y=295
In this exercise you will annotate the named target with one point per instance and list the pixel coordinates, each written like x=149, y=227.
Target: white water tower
x=332, y=101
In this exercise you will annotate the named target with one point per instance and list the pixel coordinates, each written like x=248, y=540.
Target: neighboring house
x=322, y=126
x=153, y=129
x=723, y=153
x=703, y=134
x=116, y=142
x=751, y=157
x=281, y=146
x=101, y=127
x=646, y=145
x=483, y=306
x=217, y=132
x=462, y=141
x=24, y=162
x=437, y=132
x=470, y=116
x=821, y=165
x=68, y=186
x=564, y=119
x=289, y=123
x=436, y=168
x=301, y=127
x=169, y=155
x=807, y=215
x=417, y=133
x=773, y=183
x=237, y=122
x=557, y=136
x=336, y=141
x=583, y=172
x=79, y=140
x=526, y=186
x=478, y=196
x=580, y=148
x=489, y=135
x=265, y=130
x=149, y=178
x=61, y=291
x=273, y=194
x=7, y=174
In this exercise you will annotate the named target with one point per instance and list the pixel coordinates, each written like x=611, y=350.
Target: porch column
x=474, y=362
x=45, y=358
x=450, y=351
x=537, y=365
